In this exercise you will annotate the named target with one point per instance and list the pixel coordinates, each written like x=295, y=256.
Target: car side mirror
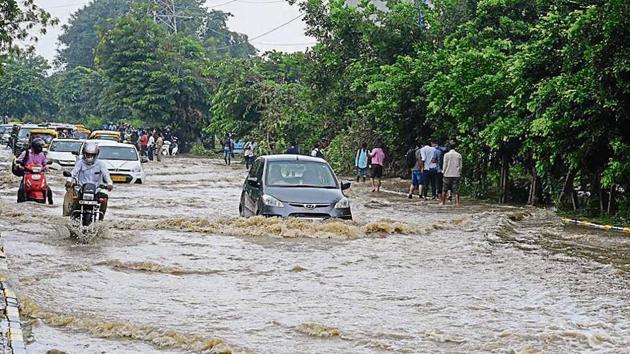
x=67, y=174
x=253, y=181
x=144, y=159
x=345, y=185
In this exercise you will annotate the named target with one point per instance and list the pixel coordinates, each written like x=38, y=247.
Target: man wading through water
x=414, y=158
x=452, y=169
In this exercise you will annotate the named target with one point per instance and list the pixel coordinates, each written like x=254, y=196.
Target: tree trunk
x=534, y=188
x=568, y=196
x=503, y=184
x=611, y=209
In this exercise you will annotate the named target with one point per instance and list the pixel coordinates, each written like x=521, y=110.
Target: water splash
x=318, y=330
x=158, y=337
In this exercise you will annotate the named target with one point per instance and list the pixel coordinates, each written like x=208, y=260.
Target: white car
x=122, y=160
x=64, y=152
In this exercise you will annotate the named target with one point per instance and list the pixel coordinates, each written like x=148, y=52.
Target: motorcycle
x=35, y=186
x=84, y=208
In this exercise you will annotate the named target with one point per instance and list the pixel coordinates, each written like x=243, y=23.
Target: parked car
x=122, y=160
x=294, y=186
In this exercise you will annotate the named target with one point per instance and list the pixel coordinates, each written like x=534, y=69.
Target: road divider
x=11, y=337
x=592, y=225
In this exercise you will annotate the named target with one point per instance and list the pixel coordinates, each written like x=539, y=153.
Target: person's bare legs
x=378, y=186
x=457, y=201
x=373, y=185
x=443, y=198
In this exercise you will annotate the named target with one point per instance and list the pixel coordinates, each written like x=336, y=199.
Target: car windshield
x=118, y=153
x=24, y=133
x=300, y=174
x=47, y=138
x=66, y=146
x=105, y=137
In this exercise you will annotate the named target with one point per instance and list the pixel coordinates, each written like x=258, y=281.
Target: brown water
x=177, y=271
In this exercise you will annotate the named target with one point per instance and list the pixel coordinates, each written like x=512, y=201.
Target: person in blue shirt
x=361, y=162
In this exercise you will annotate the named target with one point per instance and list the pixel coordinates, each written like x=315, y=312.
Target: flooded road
x=178, y=272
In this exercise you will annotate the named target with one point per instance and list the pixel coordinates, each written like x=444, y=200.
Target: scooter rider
x=35, y=155
x=91, y=170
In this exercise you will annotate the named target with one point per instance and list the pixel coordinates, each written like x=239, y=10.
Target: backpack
x=19, y=172
x=410, y=158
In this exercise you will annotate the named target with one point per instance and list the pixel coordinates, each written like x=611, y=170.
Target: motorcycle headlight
x=271, y=201
x=88, y=196
x=343, y=203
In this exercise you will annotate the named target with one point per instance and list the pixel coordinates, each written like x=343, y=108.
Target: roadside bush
x=198, y=149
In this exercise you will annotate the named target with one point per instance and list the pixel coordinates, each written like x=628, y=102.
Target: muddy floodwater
x=175, y=270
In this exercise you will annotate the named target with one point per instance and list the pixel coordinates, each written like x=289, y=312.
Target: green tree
x=24, y=90
x=158, y=77
x=17, y=23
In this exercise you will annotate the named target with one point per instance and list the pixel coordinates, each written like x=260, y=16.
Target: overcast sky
x=252, y=17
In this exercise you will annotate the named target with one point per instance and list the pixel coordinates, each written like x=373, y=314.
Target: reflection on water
x=178, y=271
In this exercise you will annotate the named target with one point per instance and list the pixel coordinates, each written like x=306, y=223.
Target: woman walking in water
x=377, y=156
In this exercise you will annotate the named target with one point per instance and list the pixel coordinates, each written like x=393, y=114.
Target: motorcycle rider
x=35, y=155
x=90, y=170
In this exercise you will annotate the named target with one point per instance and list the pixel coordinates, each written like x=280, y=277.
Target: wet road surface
x=176, y=271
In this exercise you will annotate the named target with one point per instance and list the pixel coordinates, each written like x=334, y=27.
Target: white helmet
x=90, y=152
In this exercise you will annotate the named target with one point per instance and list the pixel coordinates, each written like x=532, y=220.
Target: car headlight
x=343, y=203
x=136, y=169
x=271, y=201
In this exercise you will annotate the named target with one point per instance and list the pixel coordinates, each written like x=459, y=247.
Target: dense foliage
x=535, y=93
x=18, y=19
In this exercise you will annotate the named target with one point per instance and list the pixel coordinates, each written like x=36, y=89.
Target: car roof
x=108, y=132
x=292, y=157
x=70, y=140
x=111, y=143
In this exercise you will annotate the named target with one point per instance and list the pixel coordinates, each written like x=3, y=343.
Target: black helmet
x=37, y=145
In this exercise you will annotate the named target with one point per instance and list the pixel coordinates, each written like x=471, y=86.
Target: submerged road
x=177, y=271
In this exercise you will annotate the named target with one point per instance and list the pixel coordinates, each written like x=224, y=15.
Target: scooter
x=86, y=202
x=35, y=186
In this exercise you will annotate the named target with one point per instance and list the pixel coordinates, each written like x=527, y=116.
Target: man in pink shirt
x=377, y=157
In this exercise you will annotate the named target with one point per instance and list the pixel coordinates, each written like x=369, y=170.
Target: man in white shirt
x=151, y=146
x=452, y=169
x=429, y=161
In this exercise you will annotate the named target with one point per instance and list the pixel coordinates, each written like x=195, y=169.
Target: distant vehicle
x=5, y=133
x=122, y=160
x=294, y=186
x=65, y=131
x=82, y=132
x=106, y=135
x=64, y=152
x=45, y=134
x=21, y=139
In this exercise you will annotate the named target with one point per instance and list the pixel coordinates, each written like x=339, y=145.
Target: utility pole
x=164, y=13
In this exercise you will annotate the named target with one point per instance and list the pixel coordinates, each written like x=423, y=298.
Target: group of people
x=436, y=167
x=433, y=167
x=148, y=141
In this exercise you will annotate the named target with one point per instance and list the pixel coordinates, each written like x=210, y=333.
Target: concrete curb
x=592, y=225
x=11, y=337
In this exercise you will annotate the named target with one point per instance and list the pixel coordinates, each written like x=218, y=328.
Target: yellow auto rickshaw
x=45, y=134
x=106, y=135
